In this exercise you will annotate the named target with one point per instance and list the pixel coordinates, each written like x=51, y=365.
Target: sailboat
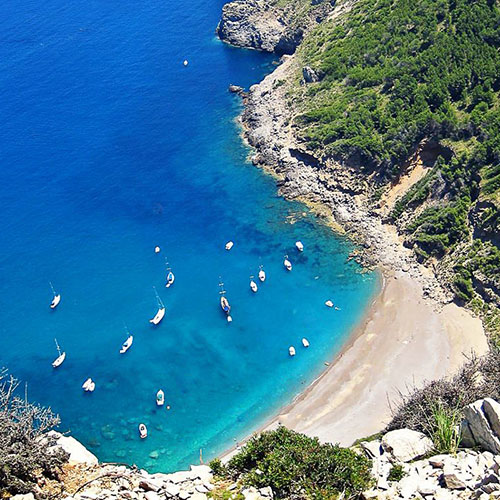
x=60, y=359
x=56, y=299
x=127, y=344
x=161, y=310
x=88, y=385
x=224, y=303
x=170, y=277
x=262, y=274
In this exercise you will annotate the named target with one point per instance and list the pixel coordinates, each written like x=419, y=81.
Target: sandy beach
x=404, y=341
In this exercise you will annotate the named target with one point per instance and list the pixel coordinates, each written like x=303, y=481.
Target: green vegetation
x=444, y=426
x=396, y=75
x=298, y=466
x=396, y=473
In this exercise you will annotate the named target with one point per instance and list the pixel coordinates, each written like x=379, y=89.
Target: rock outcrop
x=481, y=425
x=405, y=445
x=268, y=25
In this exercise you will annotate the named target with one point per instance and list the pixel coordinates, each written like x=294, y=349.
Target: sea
x=110, y=146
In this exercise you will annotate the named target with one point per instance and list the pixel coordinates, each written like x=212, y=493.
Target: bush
x=396, y=473
x=444, y=428
x=296, y=465
x=23, y=458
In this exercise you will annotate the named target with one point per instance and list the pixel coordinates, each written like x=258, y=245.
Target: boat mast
x=57, y=347
x=160, y=303
x=52, y=288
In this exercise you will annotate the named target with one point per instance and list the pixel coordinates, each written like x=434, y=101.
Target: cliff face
x=271, y=26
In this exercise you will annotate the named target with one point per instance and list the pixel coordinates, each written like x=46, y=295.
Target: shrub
x=218, y=468
x=396, y=473
x=444, y=428
x=23, y=458
x=296, y=465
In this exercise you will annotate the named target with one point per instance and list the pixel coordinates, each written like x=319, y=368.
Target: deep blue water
x=108, y=147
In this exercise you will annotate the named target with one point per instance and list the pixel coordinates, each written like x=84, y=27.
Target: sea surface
x=109, y=146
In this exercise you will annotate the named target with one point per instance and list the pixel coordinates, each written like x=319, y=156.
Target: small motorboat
x=60, y=359
x=161, y=310
x=170, y=278
x=229, y=245
x=185, y=62
x=300, y=246
x=88, y=385
x=224, y=303
x=160, y=398
x=287, y=263
x=262, y=274
x=329, y=303
x=157, y=249
x=253, y=285
x=56, y=298
x=305, y=342
x=127, y=344
x=291, y=350
x=143, y=431
x=229, y=318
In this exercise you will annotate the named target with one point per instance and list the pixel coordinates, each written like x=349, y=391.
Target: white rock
x=27, y=496
x=180, y=476
x=172, y=490
x=266, y=492
x=202, y=472
x=372, y=448
x=405, y=445
x=198, y=496
x=408, y=486
x=151, y=495
x=477, y=426
x=184, y=495
x=78, y=454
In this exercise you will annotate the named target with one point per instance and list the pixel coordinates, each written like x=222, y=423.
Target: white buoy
x=157, y=249
x=329, y=303
x=185, y=62
x=229, y=319
x=300, y=246
x=229, y=245
x=291, y=350
x=305, y=342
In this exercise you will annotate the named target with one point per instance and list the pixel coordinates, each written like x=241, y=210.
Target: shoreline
x=401, y=342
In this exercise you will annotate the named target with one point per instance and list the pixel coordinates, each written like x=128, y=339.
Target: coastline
x=401, y=342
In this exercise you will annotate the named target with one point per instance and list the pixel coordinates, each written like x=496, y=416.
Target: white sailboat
x=262, y=274
x=170, y=277
x=161, y=310
x=127, y=344
x=287, y=263
x=160, y=398
x=60, y=359
x=56, y=299
x=253, y=285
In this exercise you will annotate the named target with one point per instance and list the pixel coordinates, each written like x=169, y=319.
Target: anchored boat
x=127, y=344
x=170, y=277
x=224, y=303
x=88, y=385
x=291, y=350
x=143, y=431
x=300, y=246
x=56, y=299
x=160, y=398
x=262, y=274
x=305, y=342
x=161, y=310
x=60, y=359
x=253, y=285
x=287, y=263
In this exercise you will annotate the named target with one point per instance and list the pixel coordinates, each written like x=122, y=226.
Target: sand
x=404, y=341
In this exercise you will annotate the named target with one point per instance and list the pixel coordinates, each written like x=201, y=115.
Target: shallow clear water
x=109, y=146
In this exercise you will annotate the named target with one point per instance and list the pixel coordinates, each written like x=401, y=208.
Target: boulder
x=309, y=75
x=478, y=428
x=235, y=89
x=78, y=454
x=405, y=445
x=452, y=482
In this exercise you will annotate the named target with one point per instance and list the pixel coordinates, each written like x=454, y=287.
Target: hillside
x=404, y=97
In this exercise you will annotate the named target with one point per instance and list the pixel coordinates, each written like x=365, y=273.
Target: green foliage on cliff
x=395, y=73
x=297, y=466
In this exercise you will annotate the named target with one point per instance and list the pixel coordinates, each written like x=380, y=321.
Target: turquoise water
x=109, y=146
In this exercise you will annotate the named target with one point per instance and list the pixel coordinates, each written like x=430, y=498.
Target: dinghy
x=253, y=285
x=157, y=249
x=160, y=398
x=143, y=431
x=127, y=344
x=161, y=310
x=291, y=350
x=300, y=246
x=329, y=303
x=229, y=245
x=60, y=359
x=262, y=274
x=56, y=299
x=185, y=62
x=88, y=385
x=287, y=263
x=305, y=342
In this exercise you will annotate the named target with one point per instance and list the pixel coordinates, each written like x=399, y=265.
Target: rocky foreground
x=404, y=466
